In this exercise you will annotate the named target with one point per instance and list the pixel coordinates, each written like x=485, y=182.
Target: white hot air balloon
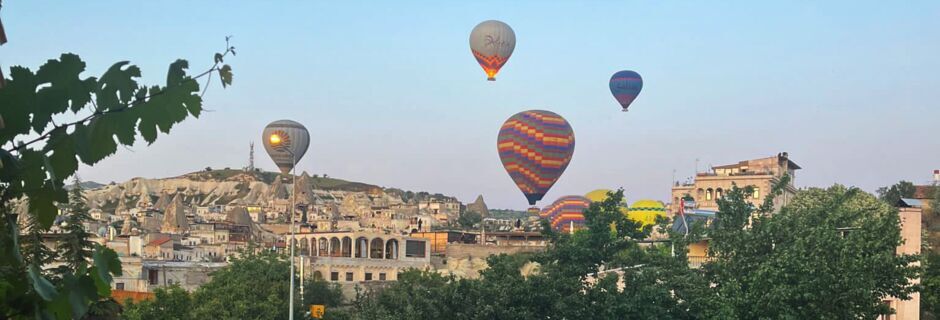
x=492, y=42
x=286, y=142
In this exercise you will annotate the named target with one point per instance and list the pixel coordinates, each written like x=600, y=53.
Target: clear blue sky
x=392, y=95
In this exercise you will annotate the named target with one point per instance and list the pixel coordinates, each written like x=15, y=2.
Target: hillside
x=234, y=187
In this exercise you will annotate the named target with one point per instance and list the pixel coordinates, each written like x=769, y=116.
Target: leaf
x=62, y=146
x=9, y=167
x=117, y=86
x=42, y=202
x=226, y=74
x=66, y=85
x=94, y=142
x=177, y=73
x=107, y=262
x=48, y=165
x=218, y=57
x=43, y=287
x=104, y=286
x=18, y=98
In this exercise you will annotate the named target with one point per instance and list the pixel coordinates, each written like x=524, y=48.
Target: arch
x=324, y=247
x=391, y=249
x=303, y=247
x=362, y=247
x=708, y=194
x=719, y=193
x=313, y=246
x=375, y=248
x=347, y=247
x=317, y=275
x=295, y=246
x=335, y=249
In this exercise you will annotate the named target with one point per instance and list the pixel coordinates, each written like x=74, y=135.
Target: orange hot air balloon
x=491, y=43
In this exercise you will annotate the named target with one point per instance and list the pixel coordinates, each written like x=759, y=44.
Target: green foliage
x=660, y=285
x=930, y=299
x=169, y=303
x=468, y=219
x=42, y=150
x=828, y=254
x=254, y=286
x=75, y=247
x=894, y=193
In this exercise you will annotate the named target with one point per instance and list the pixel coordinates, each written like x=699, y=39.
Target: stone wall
x=467, y=260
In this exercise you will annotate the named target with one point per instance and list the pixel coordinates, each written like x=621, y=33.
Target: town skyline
x=835, y=89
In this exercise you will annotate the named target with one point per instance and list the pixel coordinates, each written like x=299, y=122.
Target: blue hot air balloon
x=626, y=85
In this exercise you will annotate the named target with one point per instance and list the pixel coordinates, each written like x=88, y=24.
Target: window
x=349, y=276
x=708, y=194
x=334, y=276
x=382, y=276
x=368, y=276
x=415, y=249
x=153, y=276
x=119, y=286
x=756, y=193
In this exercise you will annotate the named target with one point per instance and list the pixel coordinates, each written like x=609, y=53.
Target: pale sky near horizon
x=392, y=95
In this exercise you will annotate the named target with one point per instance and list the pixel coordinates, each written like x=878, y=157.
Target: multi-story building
x=760, y=174
x=351, y=257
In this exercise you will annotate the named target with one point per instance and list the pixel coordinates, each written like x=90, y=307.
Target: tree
x=75, y=248
x=252, y=286
x=168, y=303
x=469, y=219
x=573, y=281
x=43, y=147
x=930, y=300
x=894, y=193
x=830, y=253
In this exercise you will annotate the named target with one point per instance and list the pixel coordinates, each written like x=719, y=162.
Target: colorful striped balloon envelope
x=566, y=212
x=535, y=147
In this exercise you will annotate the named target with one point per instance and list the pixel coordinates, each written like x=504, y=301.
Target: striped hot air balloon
x=625, y=86
x=566, y=212
x=535, y=147
x=284, y=139
x=491, y=43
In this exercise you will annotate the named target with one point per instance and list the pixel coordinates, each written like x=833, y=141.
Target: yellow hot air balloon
x=646, y=211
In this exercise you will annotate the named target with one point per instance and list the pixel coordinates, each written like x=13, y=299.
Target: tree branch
x=98, y=113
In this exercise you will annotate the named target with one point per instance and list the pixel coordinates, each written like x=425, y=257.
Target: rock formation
x=174, y=219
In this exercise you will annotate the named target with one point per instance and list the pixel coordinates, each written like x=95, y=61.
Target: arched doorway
x=391, y=249
x=375, y=248
x=347, y=247
x=362, y=247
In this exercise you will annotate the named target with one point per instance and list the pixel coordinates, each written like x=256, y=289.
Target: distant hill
x=235, y=187
x=86, y=185
x=508, y=214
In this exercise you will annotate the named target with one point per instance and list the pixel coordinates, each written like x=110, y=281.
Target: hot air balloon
x=286, y=142
x=535, y=147
x=626, y=85
x=566, y=213
x=646, y=211
x=491, y=43
x=600, y=195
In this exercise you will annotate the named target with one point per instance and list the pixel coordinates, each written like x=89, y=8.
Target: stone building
x=761, y=174
x=350, y=257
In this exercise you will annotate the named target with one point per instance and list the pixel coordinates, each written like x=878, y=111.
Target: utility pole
x=251, y=156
